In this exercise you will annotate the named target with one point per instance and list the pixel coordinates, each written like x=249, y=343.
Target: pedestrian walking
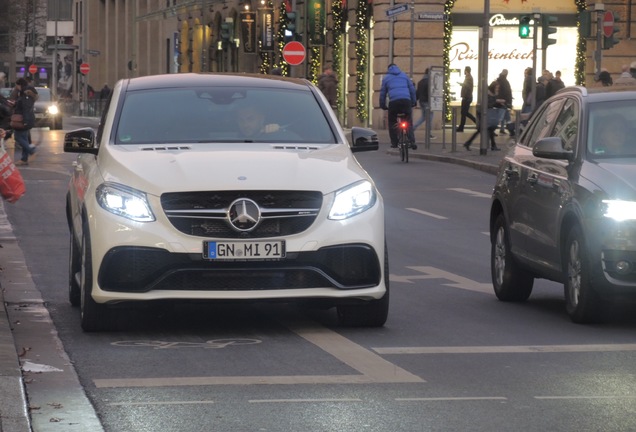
x=505, y=93
x=26, y=97
x=625, y=78
x=495, y=106
x=554, y=85
x=400, y=91
x=422, y=97
x=328, y=85
x=467, y=99
x=104, y=93
x=540, y=93
x=526, y=93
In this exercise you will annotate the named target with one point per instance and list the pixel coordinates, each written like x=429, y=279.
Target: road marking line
x=582, y=397
x=433, y=215
x=201, y=402
x=435, y=273
x=471, y=192
x=372, y=367
x=451, y=399
x=302, y=400
x=507, y=349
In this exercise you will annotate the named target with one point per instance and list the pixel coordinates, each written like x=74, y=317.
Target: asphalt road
x=451, y=357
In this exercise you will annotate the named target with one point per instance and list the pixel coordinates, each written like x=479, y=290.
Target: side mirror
x=363, y=139
x=80, y=141
x=552, y=148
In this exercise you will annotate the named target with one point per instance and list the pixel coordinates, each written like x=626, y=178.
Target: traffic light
x=524, y=26
x=585, y=24
x=609, y=42
x=291, y=22
x=547, y=22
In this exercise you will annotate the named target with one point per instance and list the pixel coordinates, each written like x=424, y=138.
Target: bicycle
x=404, y=143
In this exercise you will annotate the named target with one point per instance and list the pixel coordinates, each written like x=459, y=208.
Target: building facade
x=116, y=39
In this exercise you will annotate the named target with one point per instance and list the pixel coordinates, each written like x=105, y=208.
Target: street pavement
x=14, y=411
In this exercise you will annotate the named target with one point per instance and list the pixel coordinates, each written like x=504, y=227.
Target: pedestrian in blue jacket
x=400, y=90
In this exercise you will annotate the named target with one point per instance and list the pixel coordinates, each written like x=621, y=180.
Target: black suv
x=564, y=203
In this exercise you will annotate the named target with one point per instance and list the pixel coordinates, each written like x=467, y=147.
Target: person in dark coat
x=104, y=93
x=467, y=99
x=554, y=85
x=328, y=85
x=505, y=93
x=422, y=97
x=26, y=97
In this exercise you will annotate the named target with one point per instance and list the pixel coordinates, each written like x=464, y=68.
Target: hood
x=617, y=177
x=226, y=167
x=394, y=70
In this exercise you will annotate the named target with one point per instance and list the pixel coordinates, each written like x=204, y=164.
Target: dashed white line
x=422, y=212
x=507, y=349
x=470, y=192
x=303, y=400
x=476, y=398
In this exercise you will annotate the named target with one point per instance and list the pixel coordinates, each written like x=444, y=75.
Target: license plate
x=243, y=250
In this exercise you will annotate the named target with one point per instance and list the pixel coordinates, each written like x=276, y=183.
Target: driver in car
x=251, y=122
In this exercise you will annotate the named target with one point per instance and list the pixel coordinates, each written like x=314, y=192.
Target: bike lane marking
x=425, y=213
x=456, y=281
x=372, y=367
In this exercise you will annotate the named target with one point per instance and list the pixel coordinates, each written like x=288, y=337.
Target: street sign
x=608, y=23
x=294, y=53
x=432, y=16
x=85, y=68
x=396, y=10
x=33, y=69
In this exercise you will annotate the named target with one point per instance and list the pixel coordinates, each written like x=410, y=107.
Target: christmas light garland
x=581, y=46
x=361, y=55
x=339, y=19
x=448, y=34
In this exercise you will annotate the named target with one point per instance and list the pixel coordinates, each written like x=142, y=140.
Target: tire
x=582, y=303
x=372, y=313
x=511, y=283
x=74, y=272
x=402, y=151
x=93, y=316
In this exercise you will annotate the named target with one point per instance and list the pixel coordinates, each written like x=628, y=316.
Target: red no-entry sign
x=294, y=53
x=608, y=24
x=33, y=69
x=85, y=68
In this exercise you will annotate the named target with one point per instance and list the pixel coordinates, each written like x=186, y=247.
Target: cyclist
x=401, y=93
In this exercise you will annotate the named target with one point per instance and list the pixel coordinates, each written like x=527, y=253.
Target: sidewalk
x=14, y=416
x=442, y=149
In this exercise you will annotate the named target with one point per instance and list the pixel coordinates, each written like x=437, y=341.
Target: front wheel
x=582, y=303
x=511, y=283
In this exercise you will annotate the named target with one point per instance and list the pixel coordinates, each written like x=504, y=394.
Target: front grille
x=133, y=269
x=204, y=214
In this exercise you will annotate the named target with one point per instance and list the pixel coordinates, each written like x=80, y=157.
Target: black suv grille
x=204, y=214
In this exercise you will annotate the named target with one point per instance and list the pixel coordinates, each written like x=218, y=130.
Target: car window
x=567, y=124
x=44, y=94
x=222, y=114
x=542, y=125
x=611, y=128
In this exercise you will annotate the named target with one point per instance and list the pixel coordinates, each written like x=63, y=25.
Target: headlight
x=124, y=202
x=352, y=200
x=53, y=110
x=619, y=210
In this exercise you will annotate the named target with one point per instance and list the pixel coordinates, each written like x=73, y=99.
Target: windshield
x=222, y=114
x=44, y=94
x=612, y=129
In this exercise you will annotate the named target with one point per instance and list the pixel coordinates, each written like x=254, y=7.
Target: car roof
x=215, y=79
x=602, y=94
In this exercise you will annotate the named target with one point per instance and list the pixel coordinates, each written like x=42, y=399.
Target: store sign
x=317, y=20
x=248, y=31
x=499, y=20
x=464, y=51
x=267, y=26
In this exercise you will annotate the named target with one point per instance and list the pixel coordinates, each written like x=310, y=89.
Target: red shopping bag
x=11, y=182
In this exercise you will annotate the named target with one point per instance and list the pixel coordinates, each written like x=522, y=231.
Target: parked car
x=47, y=111
x=177, y=196
x=564, y=203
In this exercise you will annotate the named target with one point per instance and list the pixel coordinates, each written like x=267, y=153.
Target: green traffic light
x=524, y=27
